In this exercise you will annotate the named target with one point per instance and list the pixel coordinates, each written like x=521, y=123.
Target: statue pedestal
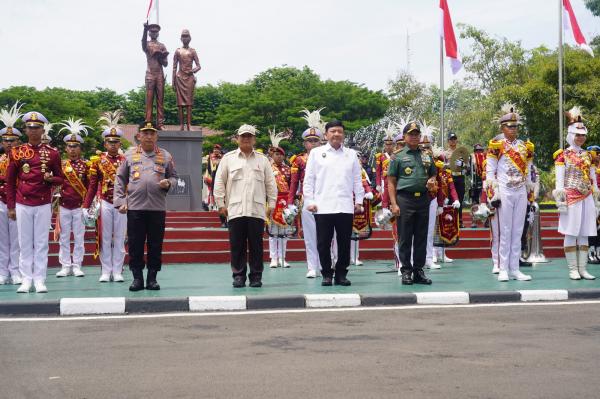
x=186, y=149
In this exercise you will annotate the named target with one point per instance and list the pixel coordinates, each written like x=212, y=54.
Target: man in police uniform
x=72, y=193
x=410, y=176
x=143, y=180
x=9, y=243
x=113, y=223
x=32, y=171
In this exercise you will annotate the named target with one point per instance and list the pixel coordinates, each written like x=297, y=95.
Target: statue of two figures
x=184, y=81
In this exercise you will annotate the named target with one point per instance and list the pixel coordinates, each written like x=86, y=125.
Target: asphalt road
x=473, y=352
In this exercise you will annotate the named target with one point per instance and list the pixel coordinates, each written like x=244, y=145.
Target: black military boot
x=406, y=277
x=420, y=277
x=138, y=281
x=151, y=283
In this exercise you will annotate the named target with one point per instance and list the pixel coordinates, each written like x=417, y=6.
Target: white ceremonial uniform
x=433, y=205
x=9, y=245
x=511, y=214
x=32, y=226
x=114, y=227
x=495, y=240
x=71, y=220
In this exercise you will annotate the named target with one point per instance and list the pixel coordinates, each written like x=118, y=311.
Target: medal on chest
x=408, y=170
x=26, y=168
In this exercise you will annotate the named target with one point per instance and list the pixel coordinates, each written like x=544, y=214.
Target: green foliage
x=593, y=6
x=272, y=99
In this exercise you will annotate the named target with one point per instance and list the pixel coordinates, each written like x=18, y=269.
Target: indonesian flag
x=447, y=33
x=570, y=23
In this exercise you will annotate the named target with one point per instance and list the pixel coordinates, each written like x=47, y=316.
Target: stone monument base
x=186, y=149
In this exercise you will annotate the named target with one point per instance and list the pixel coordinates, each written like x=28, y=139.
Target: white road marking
x=291, y=311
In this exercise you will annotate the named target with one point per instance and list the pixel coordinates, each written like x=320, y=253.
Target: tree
x=593, y=6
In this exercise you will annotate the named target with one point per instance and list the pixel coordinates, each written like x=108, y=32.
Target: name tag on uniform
x=406, y=159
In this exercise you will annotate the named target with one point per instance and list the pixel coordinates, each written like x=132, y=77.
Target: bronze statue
x=156, y=57
x=184, y=80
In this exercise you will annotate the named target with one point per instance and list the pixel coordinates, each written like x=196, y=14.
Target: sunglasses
x=313, y=140
x=72, y=145
x=9, y=140
x=512, y=126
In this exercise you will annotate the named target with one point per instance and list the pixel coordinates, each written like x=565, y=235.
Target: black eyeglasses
x=72, y=145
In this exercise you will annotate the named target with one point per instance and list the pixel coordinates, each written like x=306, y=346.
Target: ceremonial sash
x=109, y=172
x=516, y=158
x=74, y=179
x=280, y=180
x=3, y=165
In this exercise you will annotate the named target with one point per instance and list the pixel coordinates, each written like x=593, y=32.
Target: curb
x=122, y=305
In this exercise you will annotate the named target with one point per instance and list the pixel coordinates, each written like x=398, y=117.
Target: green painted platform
x=215, y=279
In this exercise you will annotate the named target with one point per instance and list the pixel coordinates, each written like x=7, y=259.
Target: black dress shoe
x=136, y=285
x=420, y=277
x=407, y=278
x=256, y=284
x=152, y=285
x=239, y=282
x=343, y=281
x=327, y=282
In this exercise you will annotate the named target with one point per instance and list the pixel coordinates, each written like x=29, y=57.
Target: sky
x=84, y=44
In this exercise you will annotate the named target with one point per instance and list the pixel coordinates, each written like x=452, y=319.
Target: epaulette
x=557, y=154
x=449, y=171
x=439, y=164
x=293, y=158
x=494, y=144
x=530, y=146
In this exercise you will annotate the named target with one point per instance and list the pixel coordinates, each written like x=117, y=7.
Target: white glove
x=369, y=196
x=456, y=204
x=562, y=207
x=85, y=212
x=439, y=211
x=378, y=188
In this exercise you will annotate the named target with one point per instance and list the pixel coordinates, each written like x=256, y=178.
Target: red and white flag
x=152, y=13
x=447, y=33
x=570, y=23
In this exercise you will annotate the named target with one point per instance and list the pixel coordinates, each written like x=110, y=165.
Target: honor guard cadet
x=576, y=196
x=312, y=137
x=72, y=193
x=410, y=177
x=111, y=225
x=9, y=243
x=508, y=162
x=32, y=171
x=382, y=163
x=279, y=227
x=143, y=181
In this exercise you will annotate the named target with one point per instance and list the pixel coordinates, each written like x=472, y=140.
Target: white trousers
x=432, y=216
x=9, y=244
x=511, y=218
x=309, y=230
x=71, y=220
x=277, y=247
x=354, y=250
x=495, y=239
x=112, y=248
x=33, y=224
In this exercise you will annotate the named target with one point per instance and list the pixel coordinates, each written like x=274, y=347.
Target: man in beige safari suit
x=245, y=192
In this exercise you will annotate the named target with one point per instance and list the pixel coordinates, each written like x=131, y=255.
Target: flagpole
x=560, y=73
x=442, y=91
x=157, y=19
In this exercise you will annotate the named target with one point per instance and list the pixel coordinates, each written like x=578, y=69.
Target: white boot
x=4, y=280
x=16, y=280
x=582, y=254
x=495, y=269
x=571, y=257
x=25, y=287
x=284, y=263
x=40, y=287
x=503, y=275
x=104, y=278
x=77, y=272
x=64, y=272
x=274, y=263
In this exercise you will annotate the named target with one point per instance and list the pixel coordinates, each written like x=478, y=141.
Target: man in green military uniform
x=410, y=176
